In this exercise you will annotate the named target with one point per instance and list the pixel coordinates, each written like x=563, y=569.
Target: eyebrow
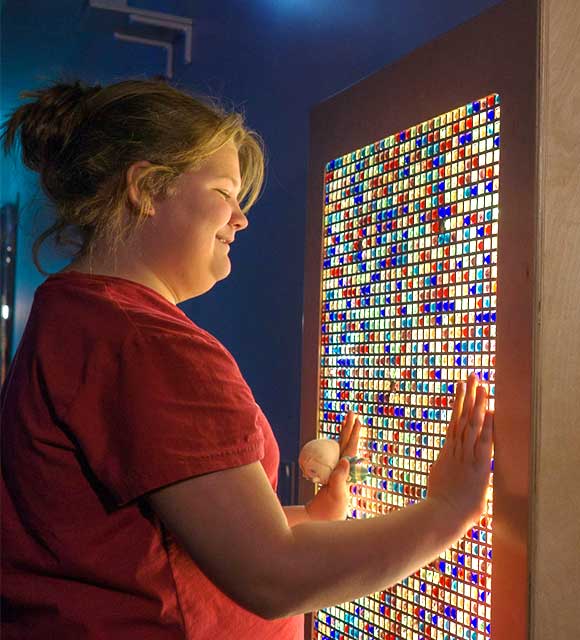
x=234, y=182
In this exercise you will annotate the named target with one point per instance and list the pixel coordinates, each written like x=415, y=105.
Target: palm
x=331, y=502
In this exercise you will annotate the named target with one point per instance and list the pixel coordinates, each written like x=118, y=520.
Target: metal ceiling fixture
x=156, y=29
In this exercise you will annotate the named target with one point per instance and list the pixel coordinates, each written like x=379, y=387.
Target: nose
x=238, y=220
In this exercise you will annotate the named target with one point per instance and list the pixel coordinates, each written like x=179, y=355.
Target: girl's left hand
x=331, y=502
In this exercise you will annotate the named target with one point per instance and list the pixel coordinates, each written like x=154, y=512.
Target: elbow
x=269, y=604
x=283, y=599
x=266, y=585
x=277, y=610
x=272, y=597
x=271, y=611
x=292, y=588
x=265, y=608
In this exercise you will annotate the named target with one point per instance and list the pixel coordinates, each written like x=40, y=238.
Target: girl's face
x=184, y=242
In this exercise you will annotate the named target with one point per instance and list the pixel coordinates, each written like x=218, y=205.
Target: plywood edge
x=555, y=515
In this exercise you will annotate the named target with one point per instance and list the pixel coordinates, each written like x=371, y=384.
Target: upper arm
x=185, y=382
x=233, y=526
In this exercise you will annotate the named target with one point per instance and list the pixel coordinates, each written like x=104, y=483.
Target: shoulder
x=114, y=313
x=112, y=329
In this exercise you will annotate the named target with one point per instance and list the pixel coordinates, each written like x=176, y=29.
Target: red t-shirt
x=115, y=392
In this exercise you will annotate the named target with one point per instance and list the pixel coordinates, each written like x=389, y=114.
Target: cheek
x=176, y=236
x=190, y=224
x=209, y=218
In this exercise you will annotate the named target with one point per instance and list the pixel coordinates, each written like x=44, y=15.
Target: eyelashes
x=228, y=196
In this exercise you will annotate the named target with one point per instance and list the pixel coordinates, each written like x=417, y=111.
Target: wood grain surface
x=555, y=522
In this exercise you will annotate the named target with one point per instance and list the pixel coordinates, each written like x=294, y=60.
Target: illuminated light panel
x=408, y=310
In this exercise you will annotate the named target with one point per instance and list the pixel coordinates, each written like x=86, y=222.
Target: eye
x=225, y=194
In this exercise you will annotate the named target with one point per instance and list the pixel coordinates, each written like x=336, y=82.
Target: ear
x=133, y=173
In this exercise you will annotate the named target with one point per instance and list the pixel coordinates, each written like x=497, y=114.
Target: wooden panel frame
x=496, y=52
x=555, y=517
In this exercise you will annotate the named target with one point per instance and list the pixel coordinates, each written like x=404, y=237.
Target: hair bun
x=47, y=124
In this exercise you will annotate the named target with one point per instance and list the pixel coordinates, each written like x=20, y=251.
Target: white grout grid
x=409, y=309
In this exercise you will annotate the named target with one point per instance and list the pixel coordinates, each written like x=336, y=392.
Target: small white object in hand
x=318, y=458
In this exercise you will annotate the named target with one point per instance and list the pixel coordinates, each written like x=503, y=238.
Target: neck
x=133, y=270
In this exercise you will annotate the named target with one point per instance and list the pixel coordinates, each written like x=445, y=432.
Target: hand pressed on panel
x=459, y=478
x=331, y=501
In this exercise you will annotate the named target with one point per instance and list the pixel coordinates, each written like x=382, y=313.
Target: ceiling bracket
x=165, y=23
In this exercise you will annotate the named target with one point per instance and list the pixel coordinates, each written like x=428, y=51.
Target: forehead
x=224, y=161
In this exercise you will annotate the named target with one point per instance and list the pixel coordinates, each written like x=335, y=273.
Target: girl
x=138, y=472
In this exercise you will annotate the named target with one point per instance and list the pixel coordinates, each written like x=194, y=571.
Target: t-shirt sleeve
x=164, y=408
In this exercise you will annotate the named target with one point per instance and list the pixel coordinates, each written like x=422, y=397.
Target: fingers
x=466, y=409
x=484, y=446
x=346, y=430
x=351, y=448
x=457, y=409
x=469, y=400
x=337, y=480
x=474, y=424
x=349, y=442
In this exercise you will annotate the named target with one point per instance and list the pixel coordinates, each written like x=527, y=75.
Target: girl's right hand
x=459, y=478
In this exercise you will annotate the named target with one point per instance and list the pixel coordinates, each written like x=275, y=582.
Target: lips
x=225, y=240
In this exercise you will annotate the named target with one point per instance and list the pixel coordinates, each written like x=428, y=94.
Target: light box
x=409, y=278
x=418, y=272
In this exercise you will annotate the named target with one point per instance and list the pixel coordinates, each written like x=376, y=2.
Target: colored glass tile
x=408, y=309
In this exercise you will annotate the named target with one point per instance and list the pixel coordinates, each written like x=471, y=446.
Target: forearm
x=296, y=514
x=331, y=562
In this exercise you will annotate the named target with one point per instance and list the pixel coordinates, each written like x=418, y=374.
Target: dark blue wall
x=274, y=59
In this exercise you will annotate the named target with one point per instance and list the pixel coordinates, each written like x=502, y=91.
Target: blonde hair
x=82, y=140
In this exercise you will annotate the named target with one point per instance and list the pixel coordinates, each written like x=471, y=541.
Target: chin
x=223, y=273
